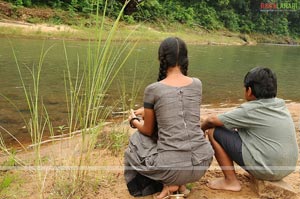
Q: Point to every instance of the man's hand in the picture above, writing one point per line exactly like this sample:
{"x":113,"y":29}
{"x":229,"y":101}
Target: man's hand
{"x":211,"y":122}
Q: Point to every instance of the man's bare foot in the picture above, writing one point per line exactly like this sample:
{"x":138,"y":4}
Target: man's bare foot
{"x":249,"y":176}
{"x":224,"y":184}
{"x":167,"y":190}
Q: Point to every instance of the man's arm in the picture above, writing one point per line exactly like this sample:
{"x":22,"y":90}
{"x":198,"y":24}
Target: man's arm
{"x":211,"y":122}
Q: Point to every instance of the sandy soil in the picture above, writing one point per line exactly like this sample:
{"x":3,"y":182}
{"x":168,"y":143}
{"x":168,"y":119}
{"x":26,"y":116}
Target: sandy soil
{"x":28,"y":27}
{"x":105,"y":174}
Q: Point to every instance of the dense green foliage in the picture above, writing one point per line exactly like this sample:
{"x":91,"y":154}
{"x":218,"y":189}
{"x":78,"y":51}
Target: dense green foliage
{"x":245,"y":16}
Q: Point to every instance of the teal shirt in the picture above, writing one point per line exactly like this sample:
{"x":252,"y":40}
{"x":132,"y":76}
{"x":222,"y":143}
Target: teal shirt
{"x":269,"y":145}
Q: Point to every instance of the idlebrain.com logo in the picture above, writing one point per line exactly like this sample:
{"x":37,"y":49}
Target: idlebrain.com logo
{"x":278,"y":6}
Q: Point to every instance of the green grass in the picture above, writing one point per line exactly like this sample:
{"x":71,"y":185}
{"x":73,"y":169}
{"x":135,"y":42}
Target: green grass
{"x":142,"y":32}
{"x":6,"y":181}
{"x":11,"y":185}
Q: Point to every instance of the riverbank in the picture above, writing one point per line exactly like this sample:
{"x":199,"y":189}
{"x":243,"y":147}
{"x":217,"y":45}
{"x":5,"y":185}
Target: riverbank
{"x":45,"y":23}
{"x":104,"y":173}
{"x":141,"y":32}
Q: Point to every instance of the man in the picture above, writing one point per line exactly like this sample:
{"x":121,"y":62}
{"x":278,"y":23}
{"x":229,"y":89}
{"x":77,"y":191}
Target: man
{"x":259,"y":135}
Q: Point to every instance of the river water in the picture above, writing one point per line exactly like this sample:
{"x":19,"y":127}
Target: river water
{"x":221,"y":69}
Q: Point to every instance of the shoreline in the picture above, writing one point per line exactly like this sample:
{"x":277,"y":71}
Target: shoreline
{"x":25,"y":30}
{"x":60,"y":158}
{"x":206,"y":110}
{"x":20,"y":29}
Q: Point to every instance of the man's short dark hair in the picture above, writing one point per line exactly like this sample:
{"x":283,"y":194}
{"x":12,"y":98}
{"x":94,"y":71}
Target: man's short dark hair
{"x":262,"y":81}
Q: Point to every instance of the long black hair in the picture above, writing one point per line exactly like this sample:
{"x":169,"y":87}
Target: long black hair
{"x":172,"y":52}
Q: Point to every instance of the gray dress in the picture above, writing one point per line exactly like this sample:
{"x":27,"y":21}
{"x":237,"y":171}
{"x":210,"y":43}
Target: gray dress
{"x":181,"y":154}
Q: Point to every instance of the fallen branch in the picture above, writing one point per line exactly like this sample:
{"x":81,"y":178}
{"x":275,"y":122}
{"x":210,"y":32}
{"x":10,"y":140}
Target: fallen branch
{"x":67,"y":136}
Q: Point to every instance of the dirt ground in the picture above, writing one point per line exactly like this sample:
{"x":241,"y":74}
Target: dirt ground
{"x":105,"y":172}
{"x":36,"y":27}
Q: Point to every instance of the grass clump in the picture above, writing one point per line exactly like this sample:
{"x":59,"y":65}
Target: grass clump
{"x":6,"y":181}
{"x":115,"y":140}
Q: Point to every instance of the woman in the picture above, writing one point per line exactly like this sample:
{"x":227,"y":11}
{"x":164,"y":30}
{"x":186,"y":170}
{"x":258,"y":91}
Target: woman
{"x":169,"y":147}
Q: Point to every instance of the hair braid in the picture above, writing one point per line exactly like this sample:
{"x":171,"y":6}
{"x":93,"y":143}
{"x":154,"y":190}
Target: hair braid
{"x":162,"y":70}
{"x":183,"y":60}
{"x":184,"y":69}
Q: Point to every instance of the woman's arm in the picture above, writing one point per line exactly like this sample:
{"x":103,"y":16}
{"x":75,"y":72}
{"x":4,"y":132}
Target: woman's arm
{"x":146,"y":127}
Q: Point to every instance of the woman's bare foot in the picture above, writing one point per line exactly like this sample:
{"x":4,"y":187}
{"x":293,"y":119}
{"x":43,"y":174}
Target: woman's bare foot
{"x":224,"y":184}
{"x":166,"y":191}
{"x":183,"y":190}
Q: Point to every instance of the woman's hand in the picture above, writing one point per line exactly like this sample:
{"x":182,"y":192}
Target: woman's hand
{"x":147,"y":126}
{"x":140,"y":112}
{"x":132,"y":114}
{"x":133,"y":119}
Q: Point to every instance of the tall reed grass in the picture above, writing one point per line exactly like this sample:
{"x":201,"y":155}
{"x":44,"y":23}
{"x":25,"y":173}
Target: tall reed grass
{"x":86,"y":95}
{"x":86,"y":92}
{"x":38,"y":120}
